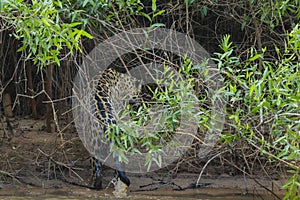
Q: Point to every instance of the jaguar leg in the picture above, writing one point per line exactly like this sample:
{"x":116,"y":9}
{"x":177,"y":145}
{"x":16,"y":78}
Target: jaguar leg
{"x":122,"y":176}
{"x":119,"y":172}
{"x":98,"y":173}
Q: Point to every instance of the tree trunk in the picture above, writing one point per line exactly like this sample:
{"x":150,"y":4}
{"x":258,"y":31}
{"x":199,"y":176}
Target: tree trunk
{"x":7,"y":105}
{"x":31,"y":92}
{"x":49,"y":111}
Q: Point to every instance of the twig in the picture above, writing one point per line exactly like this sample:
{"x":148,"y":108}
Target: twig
{"x":59,"y":163}
{"x":10,"y":175}
{"x":7,"y":174}
{"x":200,"y":175}
{"x":245,"y":181}
{"x":275,"y":157}
{"x":256,"y":181}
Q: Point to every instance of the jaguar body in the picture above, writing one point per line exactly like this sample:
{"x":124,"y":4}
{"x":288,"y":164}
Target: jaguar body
{"x":113,"y":90}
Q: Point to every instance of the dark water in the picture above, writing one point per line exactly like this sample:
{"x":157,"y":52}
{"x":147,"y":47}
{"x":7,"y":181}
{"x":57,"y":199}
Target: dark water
{"x":76,"y":193}
{"x":137,"y":197}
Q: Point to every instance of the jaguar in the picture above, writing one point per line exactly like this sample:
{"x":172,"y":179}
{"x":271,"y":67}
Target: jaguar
{"x":113,"y":89}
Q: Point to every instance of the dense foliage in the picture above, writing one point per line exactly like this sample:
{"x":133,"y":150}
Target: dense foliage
{"x":264,"y":105}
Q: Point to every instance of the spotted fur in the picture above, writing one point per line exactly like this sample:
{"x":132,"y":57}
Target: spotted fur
{"x":113,"y":90}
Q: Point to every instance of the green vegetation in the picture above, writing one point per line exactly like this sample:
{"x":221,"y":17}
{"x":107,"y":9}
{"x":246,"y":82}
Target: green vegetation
{"x":171,"y":103}
{"x":264,"y":105}
{"x":46,"y":27}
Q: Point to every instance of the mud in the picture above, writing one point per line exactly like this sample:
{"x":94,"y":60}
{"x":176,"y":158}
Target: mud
{"x":146,"y":187}
{"x":35,"y":164}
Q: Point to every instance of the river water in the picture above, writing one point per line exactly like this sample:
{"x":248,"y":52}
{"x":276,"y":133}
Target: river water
{"x":82,"y":194}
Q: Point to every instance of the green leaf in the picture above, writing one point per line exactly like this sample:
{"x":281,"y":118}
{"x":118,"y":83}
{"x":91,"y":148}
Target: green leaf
{"x":58,"y":3}
{"x":84,"y":3}
{"x":45,"y":21}
{"x":257,"y":56}
{"x":86,"y":34}
{"x":252,"y":89}
{"x":22,"y":48}
{"x":56,"y":60}
{"x":157,"y":25}
{"x":158,"y":13}
{"x":153,"y":5}
{"x":147,"y":16}
{"x":73,"y":24}
{"x":203,"y":11}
